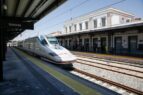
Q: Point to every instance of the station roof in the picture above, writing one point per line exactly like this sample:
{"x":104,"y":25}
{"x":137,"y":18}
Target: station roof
{"x":18,"y":15}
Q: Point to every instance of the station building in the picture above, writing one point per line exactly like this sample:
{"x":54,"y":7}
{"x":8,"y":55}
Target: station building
{"x":104,"y":31}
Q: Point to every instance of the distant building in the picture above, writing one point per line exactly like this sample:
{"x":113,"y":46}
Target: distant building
{"x":57,"y":33}
{"x":98,"y":19}
{"x":12,"y":43}
{"x":137,"y":19}
{"x":9,"y":44}
{"x":104,"y":31}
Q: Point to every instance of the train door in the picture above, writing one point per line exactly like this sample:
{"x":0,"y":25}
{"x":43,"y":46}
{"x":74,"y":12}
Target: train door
{"x":132,"y":44}
{"x":103,"y":45}
{"x":86,"y":44}
{"x":118,"y":45}
{"x":95,"y":44}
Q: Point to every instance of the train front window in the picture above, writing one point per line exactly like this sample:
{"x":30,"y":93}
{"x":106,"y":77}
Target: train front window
{"x":43,"y":41}
{"x":52,"y":40}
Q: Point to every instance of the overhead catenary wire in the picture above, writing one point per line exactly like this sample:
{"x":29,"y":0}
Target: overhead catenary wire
{"x":66,"y":11}
{"x":84,"y":14}
{"x":69,"y":10}
{"x":78,"y":5}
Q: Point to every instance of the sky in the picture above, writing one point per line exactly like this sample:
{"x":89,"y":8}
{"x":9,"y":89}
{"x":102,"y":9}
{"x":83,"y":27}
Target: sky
{"x":54,"y":21}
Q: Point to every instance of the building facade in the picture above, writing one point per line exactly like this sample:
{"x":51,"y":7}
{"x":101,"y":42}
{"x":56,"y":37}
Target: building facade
{"x":96,"y":20}
{"x":104,"y":31}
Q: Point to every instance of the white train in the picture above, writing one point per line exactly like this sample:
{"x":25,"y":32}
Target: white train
{"x":47,"y":47}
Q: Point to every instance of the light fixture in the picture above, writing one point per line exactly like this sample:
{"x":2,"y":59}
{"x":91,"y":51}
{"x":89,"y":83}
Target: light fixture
{"x":4,"y":7}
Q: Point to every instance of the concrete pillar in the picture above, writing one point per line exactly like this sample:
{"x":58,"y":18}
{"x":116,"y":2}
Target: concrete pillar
{"x":90,"y":43}
{"x":4,"y":49}
{"x":1,"y":55}
{"x":110,"y":43}
{"x":108,"y":19}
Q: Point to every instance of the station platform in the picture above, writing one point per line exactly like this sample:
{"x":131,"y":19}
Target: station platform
{"x":24,"y":75}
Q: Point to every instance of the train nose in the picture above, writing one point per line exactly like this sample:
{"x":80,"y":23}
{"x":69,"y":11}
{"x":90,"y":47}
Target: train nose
{"x":58,"y":59}
{"x":68,"y":58}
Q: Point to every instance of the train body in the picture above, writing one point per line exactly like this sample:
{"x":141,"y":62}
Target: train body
{"x":47,"y":47}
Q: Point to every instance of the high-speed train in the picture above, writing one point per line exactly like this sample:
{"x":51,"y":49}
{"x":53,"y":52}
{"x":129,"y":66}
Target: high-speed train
{"x":47,"y":47}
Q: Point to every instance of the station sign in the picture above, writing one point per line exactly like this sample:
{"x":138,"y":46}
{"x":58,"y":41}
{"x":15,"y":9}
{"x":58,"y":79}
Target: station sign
{"x":21,"y":25}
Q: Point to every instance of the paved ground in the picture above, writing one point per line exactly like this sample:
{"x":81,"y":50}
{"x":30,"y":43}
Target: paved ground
{"x":18,"y":80}
{"x":22,"y":77}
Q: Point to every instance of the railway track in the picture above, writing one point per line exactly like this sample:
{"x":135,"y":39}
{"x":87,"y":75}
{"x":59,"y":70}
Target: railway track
{"x":106,"y":83}
{"x":125,"y":61}
{"x":118,"y":85}
{"x":122,"y":70}
{"x":88,"y":66}
{"x":111,"y":61}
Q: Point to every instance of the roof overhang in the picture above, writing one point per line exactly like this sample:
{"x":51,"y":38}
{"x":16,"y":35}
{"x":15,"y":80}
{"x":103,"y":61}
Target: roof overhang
{"x":18,"y":15}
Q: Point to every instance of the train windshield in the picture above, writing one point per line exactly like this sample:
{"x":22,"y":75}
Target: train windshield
{"x":52,"y":40}
{"x":43,"y":41}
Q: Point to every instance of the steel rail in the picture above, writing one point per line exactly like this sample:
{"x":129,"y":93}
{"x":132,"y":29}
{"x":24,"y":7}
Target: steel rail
{"x":112,"y":65}
{"x":111,"y":70}
{"x":130,"y":89}
{"x":111,"y":59}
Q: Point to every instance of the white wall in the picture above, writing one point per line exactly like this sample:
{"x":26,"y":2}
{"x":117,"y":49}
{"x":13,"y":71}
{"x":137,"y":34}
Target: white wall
{"x":115,"y":19}
{"x":83,"y":20}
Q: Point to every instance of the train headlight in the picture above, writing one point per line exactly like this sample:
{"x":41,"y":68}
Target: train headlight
{"x":52,"y":54}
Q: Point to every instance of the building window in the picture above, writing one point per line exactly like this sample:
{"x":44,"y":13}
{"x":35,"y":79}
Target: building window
{"x":70,"y":28}
{"x":103,"y":20}
{"x":128,"y":20}
{"x":95,"y":23}
{"x":75,"y":27}
{"x":80,"y":26}
{"x":86,"y":25}
{"x":123,"y":20}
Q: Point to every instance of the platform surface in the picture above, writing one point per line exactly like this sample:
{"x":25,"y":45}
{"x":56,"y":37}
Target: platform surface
{"x":18,"y":80}
{"x":22,"y":77}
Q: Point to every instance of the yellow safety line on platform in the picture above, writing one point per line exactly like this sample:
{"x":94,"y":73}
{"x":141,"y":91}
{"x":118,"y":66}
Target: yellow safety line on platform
{"x":75,"y":85}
